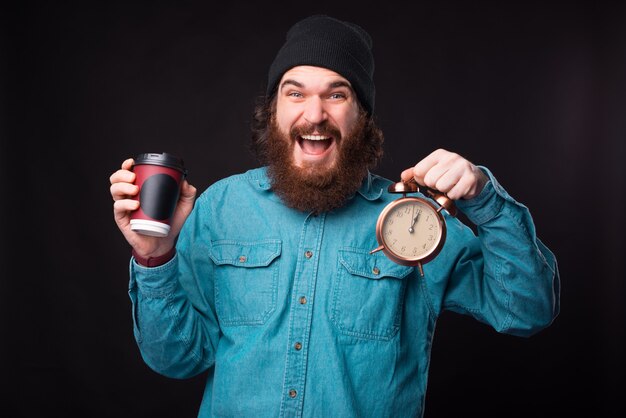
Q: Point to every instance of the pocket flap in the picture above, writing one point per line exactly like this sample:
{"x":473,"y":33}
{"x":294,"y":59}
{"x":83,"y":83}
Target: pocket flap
{"x":245,"y":254}
{"x":373,"y":266}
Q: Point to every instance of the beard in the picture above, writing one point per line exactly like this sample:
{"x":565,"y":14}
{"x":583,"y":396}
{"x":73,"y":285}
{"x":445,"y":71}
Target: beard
{"x":315,"y":187}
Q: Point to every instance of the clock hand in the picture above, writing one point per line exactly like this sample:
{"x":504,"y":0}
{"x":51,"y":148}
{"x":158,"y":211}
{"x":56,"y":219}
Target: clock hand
{"x":414,"y":220}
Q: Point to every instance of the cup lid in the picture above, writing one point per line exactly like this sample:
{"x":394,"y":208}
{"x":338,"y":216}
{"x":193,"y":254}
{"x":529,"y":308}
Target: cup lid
{"x":163,"y":159}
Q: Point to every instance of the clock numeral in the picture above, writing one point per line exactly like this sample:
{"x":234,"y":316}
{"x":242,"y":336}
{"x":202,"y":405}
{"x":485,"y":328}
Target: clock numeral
{"x":403,"y":249}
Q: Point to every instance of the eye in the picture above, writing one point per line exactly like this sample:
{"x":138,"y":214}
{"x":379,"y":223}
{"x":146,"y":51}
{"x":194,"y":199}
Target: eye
{"x":337,"y":96}
{"x":294,"y":94}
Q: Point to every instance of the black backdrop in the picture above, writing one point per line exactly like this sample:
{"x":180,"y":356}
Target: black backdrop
{"x":534,"y":91}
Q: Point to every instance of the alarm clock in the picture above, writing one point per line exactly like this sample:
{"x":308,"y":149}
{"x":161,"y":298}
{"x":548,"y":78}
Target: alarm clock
{"x":411,"y":230}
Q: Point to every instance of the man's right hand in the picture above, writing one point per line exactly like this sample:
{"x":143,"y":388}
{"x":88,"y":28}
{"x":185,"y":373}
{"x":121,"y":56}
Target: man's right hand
{"x":123,"y":190}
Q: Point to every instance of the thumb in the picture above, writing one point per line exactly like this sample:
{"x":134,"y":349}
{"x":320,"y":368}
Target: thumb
{"x":407,"y":175}
{"x":185,"y":204}
{"x":187,"y":192}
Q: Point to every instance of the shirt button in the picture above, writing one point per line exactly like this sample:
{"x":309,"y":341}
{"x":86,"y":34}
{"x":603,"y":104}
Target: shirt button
{"x":308,"y":254}
{"x":242,"y":259}
{"x":298,"y":346}
{"x":302,"y":300}
{"x":376,"y":271}
{"x":293,"y":393}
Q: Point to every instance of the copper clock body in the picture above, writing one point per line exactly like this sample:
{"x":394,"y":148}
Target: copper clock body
{"x":411,"y":231}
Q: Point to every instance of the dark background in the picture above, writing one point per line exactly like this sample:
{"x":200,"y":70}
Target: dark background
{"x":534,"y":91}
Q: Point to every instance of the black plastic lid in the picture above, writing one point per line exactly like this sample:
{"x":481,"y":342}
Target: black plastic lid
{"x":163,"y":159}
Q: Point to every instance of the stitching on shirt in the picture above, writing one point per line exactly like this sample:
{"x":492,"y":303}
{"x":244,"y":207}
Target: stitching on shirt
{"x":508,"y":320}
{"x":267,"y":266}
{"x":186,"y":340}
{"x":249,"y":320}
{"x":254,"y":174}
{"x":134,"y":297}
{"x":160,"y":293}
{"x":391,"y":269}
{"x":275,"y":243}
{"x":151,"y":292}
{"x":506,"y":323}
{"x":424,"y":286}
{"x":312,"y":288}
{"x":383,"y":335}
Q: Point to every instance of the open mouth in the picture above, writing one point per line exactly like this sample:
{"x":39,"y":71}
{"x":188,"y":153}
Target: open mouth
{"x":315,"y":144}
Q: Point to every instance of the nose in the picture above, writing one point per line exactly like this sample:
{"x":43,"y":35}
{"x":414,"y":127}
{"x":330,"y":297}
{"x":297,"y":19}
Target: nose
{"x":314,"y":112}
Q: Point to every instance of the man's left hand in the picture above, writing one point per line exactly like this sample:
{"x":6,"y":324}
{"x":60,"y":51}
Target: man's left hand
{"x":449,"y":173}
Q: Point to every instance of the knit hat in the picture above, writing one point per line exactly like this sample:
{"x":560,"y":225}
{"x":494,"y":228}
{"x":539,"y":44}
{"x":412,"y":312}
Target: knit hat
{"x":323,"y":41}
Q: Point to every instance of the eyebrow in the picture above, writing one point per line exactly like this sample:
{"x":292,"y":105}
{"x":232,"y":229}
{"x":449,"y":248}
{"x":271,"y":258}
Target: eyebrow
{"x":292,"y":82}
{"x":333,"y":85}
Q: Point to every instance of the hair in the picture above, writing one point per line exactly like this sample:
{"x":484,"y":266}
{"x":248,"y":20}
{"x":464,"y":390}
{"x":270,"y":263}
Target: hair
{"x":264,"y":109}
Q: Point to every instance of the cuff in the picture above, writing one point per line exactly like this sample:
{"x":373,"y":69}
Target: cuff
{"x":154,"y":261}
{"x":489,"y":202}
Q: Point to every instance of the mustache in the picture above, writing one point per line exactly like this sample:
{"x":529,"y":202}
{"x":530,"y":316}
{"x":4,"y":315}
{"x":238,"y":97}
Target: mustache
{"x":324,"y":128}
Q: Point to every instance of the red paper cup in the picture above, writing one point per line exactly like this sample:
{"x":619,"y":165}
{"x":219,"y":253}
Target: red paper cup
{"x":159,"y":177}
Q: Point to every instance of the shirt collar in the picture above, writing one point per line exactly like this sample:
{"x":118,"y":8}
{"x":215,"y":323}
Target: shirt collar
{"x":367,"y":189}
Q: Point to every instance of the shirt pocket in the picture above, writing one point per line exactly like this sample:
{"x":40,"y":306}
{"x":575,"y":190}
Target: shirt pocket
{"x":368,"y":294}
{"x":246,"y":280}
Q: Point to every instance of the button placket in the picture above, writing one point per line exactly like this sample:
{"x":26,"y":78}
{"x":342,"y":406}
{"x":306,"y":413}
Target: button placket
{"x":300,"y":316}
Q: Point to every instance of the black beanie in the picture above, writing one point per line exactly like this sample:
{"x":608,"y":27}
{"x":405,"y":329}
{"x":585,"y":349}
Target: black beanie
{"x":323,"y":41}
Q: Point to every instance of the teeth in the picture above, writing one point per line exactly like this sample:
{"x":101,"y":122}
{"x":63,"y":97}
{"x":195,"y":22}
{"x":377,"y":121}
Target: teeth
{"x":315,"y":137}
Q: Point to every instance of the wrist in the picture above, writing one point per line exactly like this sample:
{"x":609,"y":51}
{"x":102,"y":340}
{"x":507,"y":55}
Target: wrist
{"x":154,"y":261}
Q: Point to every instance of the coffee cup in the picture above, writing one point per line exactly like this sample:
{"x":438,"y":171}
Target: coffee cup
{"x":159,"y":176}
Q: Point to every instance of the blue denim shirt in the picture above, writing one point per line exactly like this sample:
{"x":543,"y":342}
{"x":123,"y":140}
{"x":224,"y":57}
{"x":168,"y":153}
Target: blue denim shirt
{"x":292,"y":316}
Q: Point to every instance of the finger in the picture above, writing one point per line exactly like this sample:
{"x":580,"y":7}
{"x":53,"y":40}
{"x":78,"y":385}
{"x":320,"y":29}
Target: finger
{"x":440,"y":175}
{"x":424,"y":167}
{"x":122,"y":208}
{"x":418,"y":172}
{"x":128,"y":164}
{"x":122,"y":175}
{"x":463,"y":180}
{"x":187,"y":191}
{"x":407,"y":175}
{"x":123,"y":190}
{"x":461,"y":188}
{"x":449,"y":178}
{"x":184,"y":207}
{"x":470,"y":185}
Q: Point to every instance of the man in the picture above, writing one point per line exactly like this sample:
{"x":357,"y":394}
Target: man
{"x":267,"y":281}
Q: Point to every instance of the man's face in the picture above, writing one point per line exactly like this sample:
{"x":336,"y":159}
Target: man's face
{"x":315,"y":109}
{"x":318,"y":143}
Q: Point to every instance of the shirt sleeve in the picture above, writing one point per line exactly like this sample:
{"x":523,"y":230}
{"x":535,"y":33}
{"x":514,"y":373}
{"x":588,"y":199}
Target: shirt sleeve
{"x":175,"y":324}
{"x":503,"y":275}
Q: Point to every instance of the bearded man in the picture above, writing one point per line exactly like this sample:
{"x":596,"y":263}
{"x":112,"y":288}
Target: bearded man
{"x":266,"y":281}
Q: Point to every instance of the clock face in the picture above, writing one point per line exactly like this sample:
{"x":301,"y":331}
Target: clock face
{"x":411,"y":229}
